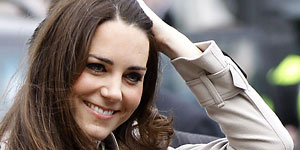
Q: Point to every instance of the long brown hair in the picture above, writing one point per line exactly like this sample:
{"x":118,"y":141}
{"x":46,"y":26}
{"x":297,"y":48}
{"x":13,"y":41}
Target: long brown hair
{"x":41,"y":118}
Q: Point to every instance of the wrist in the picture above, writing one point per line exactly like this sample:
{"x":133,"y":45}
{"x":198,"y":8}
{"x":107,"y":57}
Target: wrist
{"x":174,"y":44}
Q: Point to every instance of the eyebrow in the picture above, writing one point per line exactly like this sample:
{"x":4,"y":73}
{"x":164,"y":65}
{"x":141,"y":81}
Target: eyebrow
{"x":134,"y":68}
{"x":102,"y":59}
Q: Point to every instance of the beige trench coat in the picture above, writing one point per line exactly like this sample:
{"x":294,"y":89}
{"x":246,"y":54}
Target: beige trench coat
{"x":220,"y":87}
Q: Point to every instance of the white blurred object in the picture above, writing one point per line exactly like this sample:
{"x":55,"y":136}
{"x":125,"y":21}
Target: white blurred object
{"x":9,"y":9}
{"x":17,"y":26}
{"x":244,"y":52}
{"x":160,"y":7}
{"x":25,"y":8}
{"x":37,"y":8}
{"x":199,"y":15}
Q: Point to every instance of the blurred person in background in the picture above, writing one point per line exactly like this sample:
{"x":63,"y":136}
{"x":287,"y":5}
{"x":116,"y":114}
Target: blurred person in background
{"x":285,"y":79}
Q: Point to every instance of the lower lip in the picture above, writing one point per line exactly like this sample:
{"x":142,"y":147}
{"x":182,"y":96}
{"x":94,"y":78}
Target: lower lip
{"x":100,"y":116}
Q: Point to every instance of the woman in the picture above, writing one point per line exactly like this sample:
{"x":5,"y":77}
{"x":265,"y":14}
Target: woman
{"x":92,"y":77}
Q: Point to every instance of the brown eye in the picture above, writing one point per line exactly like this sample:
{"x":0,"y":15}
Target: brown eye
{"x":96,"y":67}
{"x":133,"y":77}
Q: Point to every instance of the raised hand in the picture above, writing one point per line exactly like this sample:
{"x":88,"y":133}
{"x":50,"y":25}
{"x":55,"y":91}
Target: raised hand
{"x":172,"y":43}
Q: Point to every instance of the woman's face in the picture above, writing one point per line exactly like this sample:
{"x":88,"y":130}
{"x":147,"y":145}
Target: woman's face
{"x":110,"y":88}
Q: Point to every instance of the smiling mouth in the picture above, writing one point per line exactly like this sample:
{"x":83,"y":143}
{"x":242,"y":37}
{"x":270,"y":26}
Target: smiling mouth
{"x":100,"y":110}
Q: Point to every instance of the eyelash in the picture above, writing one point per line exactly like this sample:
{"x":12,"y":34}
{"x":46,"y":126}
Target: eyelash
{"x":98,"y":68}
{"x":133,"y":77}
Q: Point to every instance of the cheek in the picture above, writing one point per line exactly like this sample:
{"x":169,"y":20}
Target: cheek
{"x":83,"y":84}
{"x":133,"y":98}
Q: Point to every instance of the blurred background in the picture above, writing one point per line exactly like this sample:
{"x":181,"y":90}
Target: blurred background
{"x":262,"y":36}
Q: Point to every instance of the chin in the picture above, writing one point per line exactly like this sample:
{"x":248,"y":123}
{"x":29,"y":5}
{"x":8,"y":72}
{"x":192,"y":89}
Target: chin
{"x":98,"y":135}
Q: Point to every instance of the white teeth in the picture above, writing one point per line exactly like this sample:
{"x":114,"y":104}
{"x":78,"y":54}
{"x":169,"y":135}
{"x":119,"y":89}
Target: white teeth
{"x":99,"y":110}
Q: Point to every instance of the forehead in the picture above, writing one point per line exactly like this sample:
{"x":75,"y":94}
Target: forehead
{"x":120,"y":41}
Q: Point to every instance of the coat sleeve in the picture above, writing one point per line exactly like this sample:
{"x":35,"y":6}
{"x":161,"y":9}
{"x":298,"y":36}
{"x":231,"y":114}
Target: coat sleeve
{"x":220,"y":87}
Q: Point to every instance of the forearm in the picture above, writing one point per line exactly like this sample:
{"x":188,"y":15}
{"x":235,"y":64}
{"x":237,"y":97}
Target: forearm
{"x":176,"y":44}
{"x":244,"y":117}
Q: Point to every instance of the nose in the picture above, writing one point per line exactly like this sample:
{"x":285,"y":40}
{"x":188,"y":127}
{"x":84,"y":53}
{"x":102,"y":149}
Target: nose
{"x":112,"y":90}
